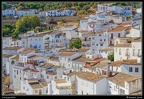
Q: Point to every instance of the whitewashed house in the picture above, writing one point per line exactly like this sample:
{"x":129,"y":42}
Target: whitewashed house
{"x":134,"y":32}
{"x":136,"y":21}
{"x":25,"y":66}
{"x":83,"y":24}
{"x":38,"y":41}
{"x":70,"y":31}
{"x":118,"y":19}
{"x":6,"y":41}
{"x":59,"y":87}
{"x":57,"y":38}
{"x":99,"y":41}
{"x":104,"y":8}
{"x":88,"y":83}
{"x":34,"y":87}
{"x":132,"y":67}
{"x":65,"y":58}
{"x":129,"y":50}
{"x":9,"y":12}
{"x":6,"y":62}
{"x":139,"y":10}
{"x":16,"y":43}
{"x":78,"y":63}
{"x":54,"y":60}
{"x":42,"y":14}
{"x":12,"y":50}
{"x":27,"y":34}
{"x":21,"y":13}
{"x":115,"y":32}
{"x":121,"y":84}
{"x":105,"y":52}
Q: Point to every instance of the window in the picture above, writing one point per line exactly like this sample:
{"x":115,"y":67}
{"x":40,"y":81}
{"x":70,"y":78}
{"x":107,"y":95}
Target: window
{"x":93,"y":38}
{"x":93,"y":43}
{"x":136,"y":69}
{"x":20,"y":78}
{"x":36,"y":91}
{"x":39,"y":39}
{"x":100,"y":39}
{"x":130,"y":69}
{"x":101,"y":44}
{"x":47,"y":77}
{"x":122,"y":91}
{"x":55,"y":77}
{"x":99,"y":34}
{"x":23,"y":87}
{"x":97,"y":44}
{"x":104,"y":39}
{"x":14,"y":76}
{"x":119,"y":51}
{"x":17,"y":71}
{"x":138,"y":51}
{"x":133,"y":52}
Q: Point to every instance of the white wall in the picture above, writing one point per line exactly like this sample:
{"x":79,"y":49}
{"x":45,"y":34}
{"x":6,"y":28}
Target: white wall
{"x":101,"y":87}
{"x":125,"y":69}
{"x":86,"y":86}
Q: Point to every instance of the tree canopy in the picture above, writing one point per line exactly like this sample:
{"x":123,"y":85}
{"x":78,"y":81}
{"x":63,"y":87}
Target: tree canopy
{"x":77,"y":43}
{"x":25,"y":24}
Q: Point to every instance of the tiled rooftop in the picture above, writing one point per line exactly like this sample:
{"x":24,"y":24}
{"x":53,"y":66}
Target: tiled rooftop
{"x":16,"y":58}
{"x":90,"y":76}
{"x":60,"y":81}
{"x":107,"y":49}
{"x":120,"y":78}
{"x":134,"y":78}
{"x":30,"y":70}
{"x":11,"y":48}
{"x":35,"y":85}
{"x":123,"y":45}
{"x":46,"y":65}
{"x":82,"y":59}
{"x":128,"y":62}
{"x":67,"y":53}
{"x":99,"y":65}
{"x":72,"y":73}
{"x":7,"y":55}
{"x":119,"y":28}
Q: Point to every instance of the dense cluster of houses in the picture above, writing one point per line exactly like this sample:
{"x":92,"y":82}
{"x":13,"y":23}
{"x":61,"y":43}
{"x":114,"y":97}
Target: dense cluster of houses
{"x":42,"y":63}
{"x":42,"y":14}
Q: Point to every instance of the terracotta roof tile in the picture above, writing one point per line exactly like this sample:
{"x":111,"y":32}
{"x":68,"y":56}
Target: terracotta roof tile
{"x":16,"y":58}
{"x":119,"y":78}
{"x":6,"y":55}
{"x":123,"y":45}
{"x":46,"y":65}
{"x":134,"y":78}
{"x":90,"y":76}
{"x":72,"y":73}
{"x":11,"y":48}
{"x":60,"y":81}
{"x":67,"y":53}
{"x":119,"y":28}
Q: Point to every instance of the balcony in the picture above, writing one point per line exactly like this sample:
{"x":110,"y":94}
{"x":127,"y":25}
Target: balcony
{"x":138,"y":55}
{"x":127,"y":54}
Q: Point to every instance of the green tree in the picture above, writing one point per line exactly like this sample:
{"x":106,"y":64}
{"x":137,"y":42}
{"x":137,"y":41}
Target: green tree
{"x":4,"y":6}
{"x":86,"y":7}
{"x":20,"y":8}
{"x":128,"y":18}
{"x":111,"y":57}
{"x":25,"y":24}
{"x":77,"y":43}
